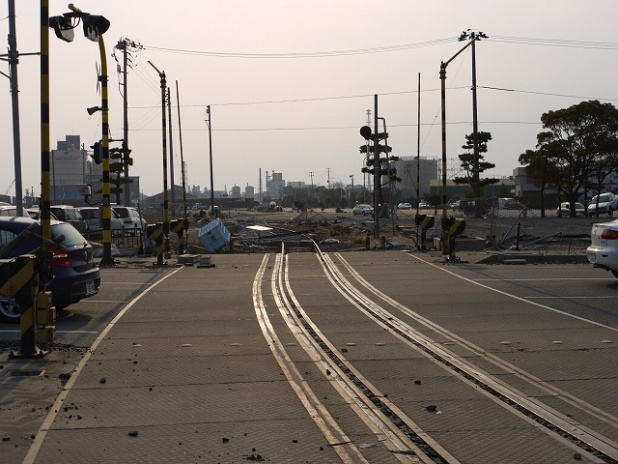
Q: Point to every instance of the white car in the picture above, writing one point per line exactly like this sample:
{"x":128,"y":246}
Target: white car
{"x":565,"y":209}
{"x":603,"y":251}
{"x":131,"y":218}
{"x":92,"y":215}
{"x":608,"y":203}
{"x":404,"y":206}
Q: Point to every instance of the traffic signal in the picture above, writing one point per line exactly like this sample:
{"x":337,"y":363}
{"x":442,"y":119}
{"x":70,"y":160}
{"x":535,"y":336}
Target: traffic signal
{"x":97,"y":152}
{"x":365,"y":132}
{"x":127,"y":158}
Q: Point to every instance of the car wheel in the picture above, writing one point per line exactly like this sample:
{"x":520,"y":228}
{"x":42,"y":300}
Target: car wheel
{"x":9,"y":311}
{"x":615,"y":273}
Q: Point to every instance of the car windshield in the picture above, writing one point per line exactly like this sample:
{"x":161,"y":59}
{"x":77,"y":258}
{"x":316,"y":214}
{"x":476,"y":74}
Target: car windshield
{"x":90,"y":213}
{"x":123,"y":213}
{"x":602,"y":198}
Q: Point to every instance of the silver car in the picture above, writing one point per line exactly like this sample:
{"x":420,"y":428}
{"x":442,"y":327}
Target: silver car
{"x":364,"y":210}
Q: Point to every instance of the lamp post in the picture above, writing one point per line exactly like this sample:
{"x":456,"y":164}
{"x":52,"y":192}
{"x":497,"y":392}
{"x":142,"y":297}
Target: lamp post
{"x":473,"y":38}
{"x":166,"y":217}
{"x":94,"y":27}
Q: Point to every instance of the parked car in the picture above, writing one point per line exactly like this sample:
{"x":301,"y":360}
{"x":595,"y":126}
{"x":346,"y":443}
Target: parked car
{"x":607,"y":203}
{"x":565,"y":209}
{"x":603,"y":250}
{"x":76,"y":276}
{"x":8,"y":210}
{"x":35,"y":213}
{"x":130,"y":217}
{"x":462,"y":205}
{"x":404,"y":206}
{"x":362,"y":209}
{"x":71,"y":215}
{"x":423,"y":204}
{"x":92,"y":215}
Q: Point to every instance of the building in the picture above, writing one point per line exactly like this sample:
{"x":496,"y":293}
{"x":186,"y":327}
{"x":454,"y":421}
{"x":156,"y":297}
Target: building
{"x":68,"y":168}
{"x":407,"y":169}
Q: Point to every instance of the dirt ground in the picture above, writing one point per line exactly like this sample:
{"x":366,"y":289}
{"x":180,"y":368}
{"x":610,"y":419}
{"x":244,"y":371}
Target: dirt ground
{"x":502,"y":231}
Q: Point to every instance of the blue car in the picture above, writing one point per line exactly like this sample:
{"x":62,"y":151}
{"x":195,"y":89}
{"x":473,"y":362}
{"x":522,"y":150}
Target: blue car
{"x":76,"y":275}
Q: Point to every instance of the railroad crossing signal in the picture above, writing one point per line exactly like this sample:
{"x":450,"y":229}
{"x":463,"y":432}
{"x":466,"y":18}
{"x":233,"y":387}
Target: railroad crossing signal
{"x":97,"y":152}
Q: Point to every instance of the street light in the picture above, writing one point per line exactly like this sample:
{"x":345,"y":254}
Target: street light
{"x":94,"y":27}
{"x":166,"y":218}
{"x":473,"y":36}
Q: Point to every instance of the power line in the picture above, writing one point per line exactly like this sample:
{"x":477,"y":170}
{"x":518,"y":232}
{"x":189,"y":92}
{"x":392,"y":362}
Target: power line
{"x":531,"y":92}
{"x":557,"y":42}
{"x":294,"y":55}
{"x":403,"y":92}
{"x":390,"y":48}
{"x":305,"y":100}
{"x":337,"y":128}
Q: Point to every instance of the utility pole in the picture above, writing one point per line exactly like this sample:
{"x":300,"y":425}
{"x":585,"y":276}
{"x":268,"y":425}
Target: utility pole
{"x":212,"y":177}
{"x":476,"y":183}
{"x":311,"y":197}
{"x":127,"y":46}
{"x":13,"y":60}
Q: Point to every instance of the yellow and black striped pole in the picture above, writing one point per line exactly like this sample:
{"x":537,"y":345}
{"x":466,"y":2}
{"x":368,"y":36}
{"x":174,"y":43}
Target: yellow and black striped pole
{"x":107,"y":259}
{"x":166,"y":217}
{"x":18,"y":287}
{"x":45,"y":270}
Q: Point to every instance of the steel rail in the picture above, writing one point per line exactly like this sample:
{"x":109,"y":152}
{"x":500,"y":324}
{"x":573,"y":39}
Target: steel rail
{"x":586,"y":440}
{"x":368,"y":403}
{"x":324,"y":421}
{"x":590,"y":409}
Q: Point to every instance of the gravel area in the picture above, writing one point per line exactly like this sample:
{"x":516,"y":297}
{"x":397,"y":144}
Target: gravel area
{"x":509,"y":229}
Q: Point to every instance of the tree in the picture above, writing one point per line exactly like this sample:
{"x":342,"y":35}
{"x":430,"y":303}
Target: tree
{"x":541,"y":172}
{"x":467,"y":161}
{"x":580,"y":146}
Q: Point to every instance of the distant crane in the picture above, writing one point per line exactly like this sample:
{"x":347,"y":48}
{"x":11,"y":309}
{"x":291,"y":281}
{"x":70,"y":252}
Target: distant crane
{"x":6,"y":192}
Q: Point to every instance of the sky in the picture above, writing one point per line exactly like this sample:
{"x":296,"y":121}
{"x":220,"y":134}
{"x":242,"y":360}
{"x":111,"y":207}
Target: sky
{"x":289,"y":83}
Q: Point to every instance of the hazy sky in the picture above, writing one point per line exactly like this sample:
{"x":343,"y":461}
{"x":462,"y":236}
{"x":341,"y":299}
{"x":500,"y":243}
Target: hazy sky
{"x":289,"y":82}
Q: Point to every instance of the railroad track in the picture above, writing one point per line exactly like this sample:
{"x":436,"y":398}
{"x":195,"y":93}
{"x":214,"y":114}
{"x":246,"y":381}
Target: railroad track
{"x":405,"y":439}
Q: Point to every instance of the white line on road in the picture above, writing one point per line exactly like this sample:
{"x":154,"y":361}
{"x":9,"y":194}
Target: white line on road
{"x":35,"y":447}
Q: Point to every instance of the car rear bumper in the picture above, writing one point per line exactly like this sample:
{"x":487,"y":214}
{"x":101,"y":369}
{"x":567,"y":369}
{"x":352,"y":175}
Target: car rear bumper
{"x":67,"y":290}
{"x":602,"y":257}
